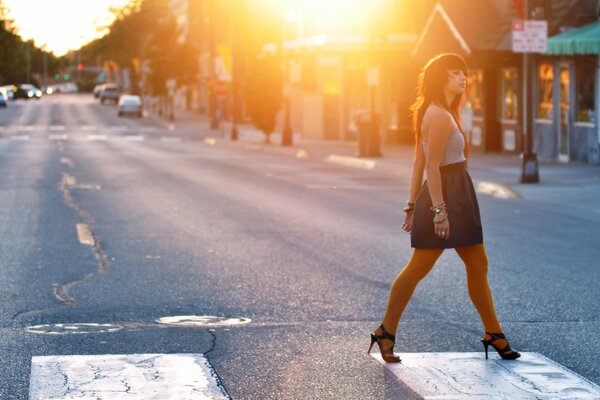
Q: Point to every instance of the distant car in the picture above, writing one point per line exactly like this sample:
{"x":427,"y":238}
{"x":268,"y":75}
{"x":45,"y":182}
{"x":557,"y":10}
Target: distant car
{"x":109,"y":92}
{"x":130,"y":104}
{"x":97,"y":90}
{"x":3,"y":97}
{"x":10,"y":91}
{"x":27,"y":91}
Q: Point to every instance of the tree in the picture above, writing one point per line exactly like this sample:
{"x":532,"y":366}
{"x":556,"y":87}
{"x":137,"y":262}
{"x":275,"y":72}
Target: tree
{"x":263,"y":92}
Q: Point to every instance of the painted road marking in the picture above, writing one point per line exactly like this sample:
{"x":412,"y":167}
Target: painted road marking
{"x":469,"y":376}
{"x":124,"y":376}
{"x":58,"y":137}
{"x":117,"y":127}
{"x":351,"y":161}
{"x":496,"y":190}
{"x":67,"y":161}
{"x":84,"y":234}
{"x":55,"y":128}
{"x":89,"y":127}
{"x":134,"y":138}
{"x":303,"y":154}
{"x":96,"y":137}
{"x":69,"y":180}
{"x":27,"y":128}
{"x":19,"y":137}
{"x":210,"y":141}
{"x":148,"y":129}
{"x":170,"y":139}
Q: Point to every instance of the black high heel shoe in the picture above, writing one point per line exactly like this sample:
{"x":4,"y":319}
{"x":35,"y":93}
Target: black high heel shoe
{"x":387,"y":354}
{"x":512,"y":355}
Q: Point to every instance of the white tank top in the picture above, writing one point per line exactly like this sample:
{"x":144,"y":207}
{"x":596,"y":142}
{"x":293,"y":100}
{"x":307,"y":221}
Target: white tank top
{"x":455,"y":147}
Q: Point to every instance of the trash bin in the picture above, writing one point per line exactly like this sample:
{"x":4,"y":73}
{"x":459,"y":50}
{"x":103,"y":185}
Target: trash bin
{"x":368,"y":124}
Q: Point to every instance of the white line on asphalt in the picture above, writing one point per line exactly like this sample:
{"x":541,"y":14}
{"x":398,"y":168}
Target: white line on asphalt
{"x":27,"y":128}
{"x":124,"y":376}
{"x":89,"y":127}
{"x":469,"y":376}
{"x":69,"y":180}
{"x":58,"y":137}
{"x":170,"y":139}
{"x":496,"y":190}
{"x":67,"y":161}
{"x":19,"y":137}
{"x":117,"y":127}
{"x":351,"y":161}
{"x":96,"y":137}
{"x":55,"y":128}
{"x":84,"y":234}
{"x":148,"y":129}
{"x":134,"y":138}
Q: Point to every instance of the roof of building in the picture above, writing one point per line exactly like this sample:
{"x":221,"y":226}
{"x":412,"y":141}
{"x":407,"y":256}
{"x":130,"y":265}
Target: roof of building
{"x":487,"y":24}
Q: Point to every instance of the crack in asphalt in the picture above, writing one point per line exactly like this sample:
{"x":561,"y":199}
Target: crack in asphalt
{"x":61,"y":290}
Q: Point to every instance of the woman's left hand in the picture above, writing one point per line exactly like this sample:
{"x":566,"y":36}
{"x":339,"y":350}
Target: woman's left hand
{"x":408,"y":221}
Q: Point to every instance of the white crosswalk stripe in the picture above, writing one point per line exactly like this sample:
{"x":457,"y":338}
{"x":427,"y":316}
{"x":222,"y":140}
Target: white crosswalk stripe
{"x":55,"y":128}
{"x":19,"y":137}
{"x":124,"y":376}
{"x":58,"y":137}
{"x":89,"y":128}
{"x":96,"y":137}
{"x":469,"y":376}
{"x":134,"y":138}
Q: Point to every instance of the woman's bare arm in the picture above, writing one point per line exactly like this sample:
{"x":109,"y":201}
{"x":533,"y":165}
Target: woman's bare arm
{"x":439,"y":123}
{"x":416,"y":178}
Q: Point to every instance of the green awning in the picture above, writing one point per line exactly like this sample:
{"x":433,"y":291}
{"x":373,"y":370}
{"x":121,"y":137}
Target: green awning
{"x":584,"y":40}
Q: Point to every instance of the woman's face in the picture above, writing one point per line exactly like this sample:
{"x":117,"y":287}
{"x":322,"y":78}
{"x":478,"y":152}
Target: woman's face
{"x":457,"y":81}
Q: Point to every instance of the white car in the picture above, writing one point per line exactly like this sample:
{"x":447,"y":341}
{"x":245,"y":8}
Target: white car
{"x":130,"y":104}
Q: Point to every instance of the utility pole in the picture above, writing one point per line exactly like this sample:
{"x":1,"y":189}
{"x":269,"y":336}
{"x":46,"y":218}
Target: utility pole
{"x":235,"y":57}
{"x":529,"y":161}
{"x":287,"y":136}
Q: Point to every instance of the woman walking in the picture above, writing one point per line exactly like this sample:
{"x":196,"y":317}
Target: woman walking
{"x":443,"y":213}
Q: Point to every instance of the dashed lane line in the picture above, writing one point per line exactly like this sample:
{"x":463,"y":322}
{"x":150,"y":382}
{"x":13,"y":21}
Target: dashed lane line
{"x":469,"y":376}
{"x":58,"y":137}
{"x":125,"y":377}
{"x":351,"y":161}
{"x":84,"y":234}
{"x":19,"y":137}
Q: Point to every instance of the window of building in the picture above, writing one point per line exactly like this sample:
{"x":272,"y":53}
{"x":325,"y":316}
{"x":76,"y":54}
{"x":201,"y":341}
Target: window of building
{"x":585,"y":81}
{"x":475,"y":92}
{"x":510,"y":90}
{"x":545,"y":82}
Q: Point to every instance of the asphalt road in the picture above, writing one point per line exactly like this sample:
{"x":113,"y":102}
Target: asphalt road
{"x":306,"y":250}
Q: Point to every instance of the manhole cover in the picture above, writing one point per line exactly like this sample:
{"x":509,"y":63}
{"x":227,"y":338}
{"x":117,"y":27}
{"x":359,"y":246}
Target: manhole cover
{"x":73,"y":329}
{"x":202,"y":320}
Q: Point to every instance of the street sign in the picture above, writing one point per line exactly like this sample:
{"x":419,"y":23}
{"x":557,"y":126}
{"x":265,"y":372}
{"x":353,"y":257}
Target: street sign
{"x":529,"y":36}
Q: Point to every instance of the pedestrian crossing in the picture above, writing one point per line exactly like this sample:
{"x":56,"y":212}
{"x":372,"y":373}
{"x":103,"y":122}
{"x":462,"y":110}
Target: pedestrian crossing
{"x":90,"y":137}
{"x":124,"y":376}
{"x":464,"y":376}
{"x":79,"y":128}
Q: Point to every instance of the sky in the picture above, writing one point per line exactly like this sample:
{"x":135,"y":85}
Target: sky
{"x":61,"y":25}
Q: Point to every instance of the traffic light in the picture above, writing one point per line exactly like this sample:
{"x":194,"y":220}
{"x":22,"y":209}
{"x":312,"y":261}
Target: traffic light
{"x":67,"y":76}
{"x":79,"y":67}
{"x":56,"y":76}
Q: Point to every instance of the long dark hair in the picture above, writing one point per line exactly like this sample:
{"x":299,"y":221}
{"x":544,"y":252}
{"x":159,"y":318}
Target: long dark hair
{"x":430,"y":89}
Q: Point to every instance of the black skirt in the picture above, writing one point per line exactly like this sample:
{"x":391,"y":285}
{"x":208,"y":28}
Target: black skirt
{"x":463,"y":212}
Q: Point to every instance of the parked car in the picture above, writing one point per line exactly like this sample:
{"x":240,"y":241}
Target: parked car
{"x":10,"y":91}
{"x":109,"y":92}
{"x":27,"y":91}
{"x":3,"y":97}
{"x":97,"y":90}
{"x":130,"y":104}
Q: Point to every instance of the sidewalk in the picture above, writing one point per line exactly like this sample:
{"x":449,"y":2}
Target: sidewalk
{"x":494,"y":174}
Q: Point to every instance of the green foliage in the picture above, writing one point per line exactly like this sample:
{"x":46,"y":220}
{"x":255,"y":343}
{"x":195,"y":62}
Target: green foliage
{"x":263,"y":92}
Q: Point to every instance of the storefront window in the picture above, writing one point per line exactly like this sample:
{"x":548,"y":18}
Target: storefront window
{"x":585,"y":73}
{"x":510,"y":89}
{"x":545,"y":82}
{"x":475,"y":92}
